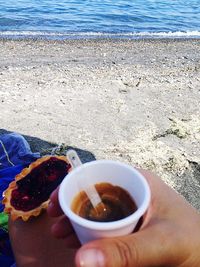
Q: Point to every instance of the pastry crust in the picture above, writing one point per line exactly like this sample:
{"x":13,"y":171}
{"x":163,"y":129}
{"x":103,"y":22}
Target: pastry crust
{"x":25,"y":215}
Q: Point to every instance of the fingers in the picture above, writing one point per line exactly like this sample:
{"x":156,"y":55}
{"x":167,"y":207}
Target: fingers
{"x":144,"y":249}
{"x":62,"y":228}
{"x":54,"y":209}
{"x":72,"y":242}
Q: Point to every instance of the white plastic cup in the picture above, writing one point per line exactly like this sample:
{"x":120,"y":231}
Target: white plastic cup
{"x":99,"y":171}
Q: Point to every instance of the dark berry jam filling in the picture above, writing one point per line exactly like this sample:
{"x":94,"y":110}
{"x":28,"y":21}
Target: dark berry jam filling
{"x":36,"y":187}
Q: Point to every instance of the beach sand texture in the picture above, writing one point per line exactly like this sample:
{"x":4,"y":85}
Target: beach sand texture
{"x":133,"y":101}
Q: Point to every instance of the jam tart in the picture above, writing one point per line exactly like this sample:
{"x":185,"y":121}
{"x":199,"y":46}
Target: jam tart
{"x":29,"y":193}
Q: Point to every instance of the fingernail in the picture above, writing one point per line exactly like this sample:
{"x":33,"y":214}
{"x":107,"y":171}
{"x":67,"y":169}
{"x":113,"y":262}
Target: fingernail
{"x":91,"y":258}
{"x":50,"y":208}
{"x":50,"y":205}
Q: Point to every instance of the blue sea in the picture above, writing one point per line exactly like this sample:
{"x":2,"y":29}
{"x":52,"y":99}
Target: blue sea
{"x":66,"y":19}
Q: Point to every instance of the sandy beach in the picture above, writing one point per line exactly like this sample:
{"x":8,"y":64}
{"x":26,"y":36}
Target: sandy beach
{"x":135,"y":101}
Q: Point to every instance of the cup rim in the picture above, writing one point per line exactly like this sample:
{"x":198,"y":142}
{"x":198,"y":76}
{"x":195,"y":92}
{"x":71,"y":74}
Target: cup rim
{"x":104,"y":225}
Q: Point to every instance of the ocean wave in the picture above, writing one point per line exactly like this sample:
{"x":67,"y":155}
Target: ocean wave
{"x":66,"y":35}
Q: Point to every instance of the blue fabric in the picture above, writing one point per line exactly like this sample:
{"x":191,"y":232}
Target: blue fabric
{"x":18,"y":150}
{"x":6,"y":255}
{"x":15,"y":154}
{"x":6,"y":176}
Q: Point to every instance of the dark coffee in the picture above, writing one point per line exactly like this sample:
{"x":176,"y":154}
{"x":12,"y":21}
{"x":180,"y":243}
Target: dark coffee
{"x":116,"y":204}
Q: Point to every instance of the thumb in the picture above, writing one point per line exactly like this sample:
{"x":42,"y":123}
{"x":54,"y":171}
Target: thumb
{"x":145,"y":248}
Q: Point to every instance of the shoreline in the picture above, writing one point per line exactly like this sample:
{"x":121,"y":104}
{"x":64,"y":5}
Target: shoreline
{"x":136,"y":101}
{"x":98,"y":35}
{"x":97,"y":38}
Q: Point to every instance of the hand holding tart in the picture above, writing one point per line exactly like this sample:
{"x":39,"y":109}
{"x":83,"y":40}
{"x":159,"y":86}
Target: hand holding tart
{"x":29,"y":193}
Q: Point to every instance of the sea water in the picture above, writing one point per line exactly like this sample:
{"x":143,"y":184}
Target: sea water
{"x":99,"y":18}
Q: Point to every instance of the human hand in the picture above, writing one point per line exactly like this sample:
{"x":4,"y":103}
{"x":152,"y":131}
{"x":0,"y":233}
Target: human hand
{"x":62,"y":228}
{"x":34,"y":246}
{"x":169,"y":234}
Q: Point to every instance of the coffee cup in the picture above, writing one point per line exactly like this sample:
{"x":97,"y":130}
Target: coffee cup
{"x":97,"y":172}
